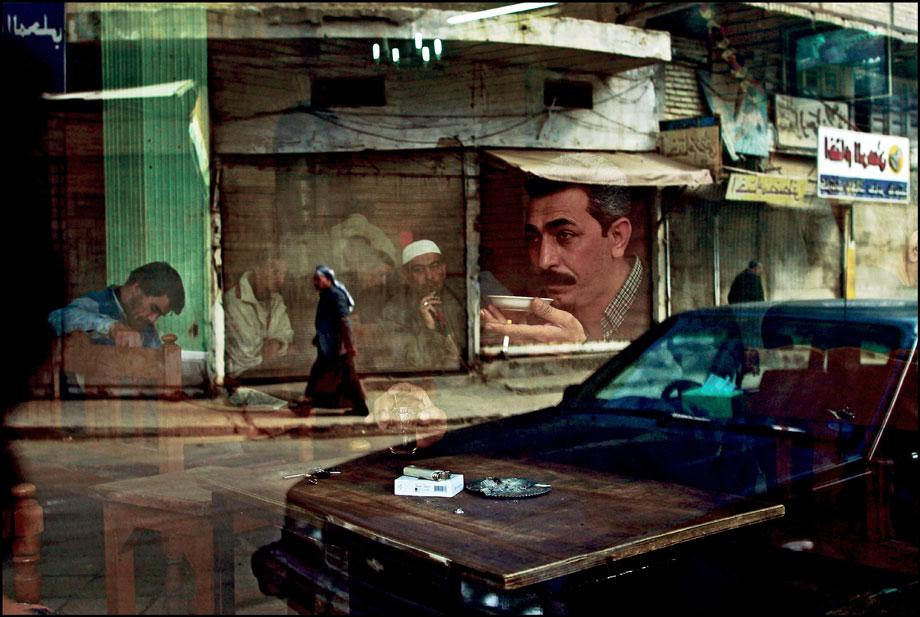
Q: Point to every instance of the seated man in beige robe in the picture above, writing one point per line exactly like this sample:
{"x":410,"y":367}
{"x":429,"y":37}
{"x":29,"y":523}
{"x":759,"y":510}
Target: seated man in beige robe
{"x":259,"y":330}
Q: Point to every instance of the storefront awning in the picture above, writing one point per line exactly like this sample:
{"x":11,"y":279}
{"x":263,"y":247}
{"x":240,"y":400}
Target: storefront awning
{"x":616,"y":168}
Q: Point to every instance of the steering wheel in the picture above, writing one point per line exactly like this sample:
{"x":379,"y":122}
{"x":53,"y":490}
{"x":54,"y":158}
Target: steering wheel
{"x":678,"y":386}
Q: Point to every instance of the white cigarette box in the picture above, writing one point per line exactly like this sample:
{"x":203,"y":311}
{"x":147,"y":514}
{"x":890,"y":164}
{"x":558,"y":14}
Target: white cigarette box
{"x":406,"y":485}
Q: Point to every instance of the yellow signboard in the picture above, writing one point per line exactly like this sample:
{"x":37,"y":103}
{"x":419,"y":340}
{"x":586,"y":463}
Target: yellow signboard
{"x":778,"y":190}
{"x":851,"y":271}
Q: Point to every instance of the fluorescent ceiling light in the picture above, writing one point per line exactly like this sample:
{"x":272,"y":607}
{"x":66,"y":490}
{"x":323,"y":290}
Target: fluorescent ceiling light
{"x":502,"y":10}
{"x":173,"y":88}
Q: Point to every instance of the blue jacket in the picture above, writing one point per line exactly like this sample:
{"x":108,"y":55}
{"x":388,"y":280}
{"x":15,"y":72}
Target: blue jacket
{"x":333,"y":328}
{"x":94,"y":314}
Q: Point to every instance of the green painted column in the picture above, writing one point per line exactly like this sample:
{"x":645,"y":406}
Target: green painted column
{"x":156,"y":135}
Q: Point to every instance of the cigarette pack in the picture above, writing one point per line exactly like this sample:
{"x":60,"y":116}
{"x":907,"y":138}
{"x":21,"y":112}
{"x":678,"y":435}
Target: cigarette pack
{"x":406,"y":485}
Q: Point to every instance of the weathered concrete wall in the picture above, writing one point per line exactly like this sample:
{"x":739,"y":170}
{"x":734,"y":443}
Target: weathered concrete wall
{"x":886,"y":250}
{"x":479,"y":105}
{"x":691,"y":251}
{"x":486,"y":89}
{"x":365,"y":20}
{"x":895,"y":18}
{"x":799,"y":248}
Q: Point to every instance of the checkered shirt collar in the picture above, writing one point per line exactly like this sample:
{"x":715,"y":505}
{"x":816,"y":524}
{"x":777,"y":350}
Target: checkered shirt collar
{"x":616,"y":311}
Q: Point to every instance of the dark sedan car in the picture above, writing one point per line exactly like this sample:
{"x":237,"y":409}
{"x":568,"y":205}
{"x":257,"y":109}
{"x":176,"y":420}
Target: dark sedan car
{"x":758,"y":458}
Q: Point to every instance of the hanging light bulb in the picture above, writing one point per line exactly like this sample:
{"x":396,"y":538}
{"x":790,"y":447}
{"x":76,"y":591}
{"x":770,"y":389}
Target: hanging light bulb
{"x":418,"y":40}
{"x":426,"y":55}
{"x":376,"y":51}
{"x":437,"y":48}
{"x":396,"y":54}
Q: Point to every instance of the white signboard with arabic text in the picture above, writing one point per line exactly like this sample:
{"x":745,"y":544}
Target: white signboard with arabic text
{"x":856,"y":166}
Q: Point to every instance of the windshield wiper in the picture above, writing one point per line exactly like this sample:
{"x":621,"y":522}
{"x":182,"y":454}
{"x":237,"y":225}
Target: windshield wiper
{"x":769,"y":427}
{"x":784,"y":428}
{"x":640,"y":407}
{"x":683,"y":417}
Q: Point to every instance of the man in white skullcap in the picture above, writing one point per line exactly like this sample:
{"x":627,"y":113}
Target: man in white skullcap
{"x":427,"y":318}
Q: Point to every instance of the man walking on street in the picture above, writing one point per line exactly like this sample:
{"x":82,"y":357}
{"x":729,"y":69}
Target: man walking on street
{"x":747,"y":286}
{"x":333,"y":380}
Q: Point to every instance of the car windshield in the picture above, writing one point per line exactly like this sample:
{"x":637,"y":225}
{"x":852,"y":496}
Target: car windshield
{"x":738,"y":402}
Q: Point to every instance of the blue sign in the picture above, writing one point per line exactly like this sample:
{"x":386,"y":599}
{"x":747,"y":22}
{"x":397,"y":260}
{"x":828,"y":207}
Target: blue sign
{"x":687,"y":123}
{"x":39,"y":27}
{"x":863,"y":189}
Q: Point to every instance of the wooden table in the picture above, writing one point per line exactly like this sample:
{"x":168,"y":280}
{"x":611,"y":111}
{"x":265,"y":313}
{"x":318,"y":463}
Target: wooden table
{"x":174,"y":505}
{"x":194,"y":525}
{"x":587,"y":520}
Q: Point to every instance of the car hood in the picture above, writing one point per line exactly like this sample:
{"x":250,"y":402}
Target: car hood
{"x":587,"y":519}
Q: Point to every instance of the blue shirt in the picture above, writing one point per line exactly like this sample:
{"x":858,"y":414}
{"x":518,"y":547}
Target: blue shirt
{"x":94,"y":314}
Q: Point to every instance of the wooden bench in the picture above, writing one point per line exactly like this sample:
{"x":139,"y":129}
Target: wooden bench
{"x":106,"y":370}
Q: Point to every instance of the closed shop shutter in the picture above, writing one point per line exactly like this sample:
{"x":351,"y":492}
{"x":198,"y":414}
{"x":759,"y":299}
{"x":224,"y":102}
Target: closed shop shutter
{"x":501,"y":228}
{"x":352,"y":212}
{"x":691,"y":251}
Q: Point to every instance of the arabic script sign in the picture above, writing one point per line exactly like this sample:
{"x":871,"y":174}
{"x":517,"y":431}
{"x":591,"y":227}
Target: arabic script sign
{"x":699,"y":147}
{"x":39,"y":27}
{"x":797,"y":120}
{"x":863,"y":166}
{"x":779,"y":190}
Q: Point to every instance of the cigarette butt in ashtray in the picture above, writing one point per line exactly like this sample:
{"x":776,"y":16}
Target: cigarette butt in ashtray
{"x":507,"y":338}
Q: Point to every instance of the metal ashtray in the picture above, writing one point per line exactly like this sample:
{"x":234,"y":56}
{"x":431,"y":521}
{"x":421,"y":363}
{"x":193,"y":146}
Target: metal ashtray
{"x":507,"y":488}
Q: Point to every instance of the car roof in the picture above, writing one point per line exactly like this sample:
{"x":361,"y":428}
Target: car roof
{"x":899,"y":313}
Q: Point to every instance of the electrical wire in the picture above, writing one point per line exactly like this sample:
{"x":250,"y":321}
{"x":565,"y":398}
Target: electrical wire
{"x":339,"y":124}
{"x":621,"y":124}
{"x":371,"y":122}
{"x":353,"y":115}
{"x":428,"y":142}
{"x":619,"y":95}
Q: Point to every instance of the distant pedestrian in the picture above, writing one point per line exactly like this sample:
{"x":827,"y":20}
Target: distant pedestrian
{"x":747,"y":286}
{"x":333,"y":380}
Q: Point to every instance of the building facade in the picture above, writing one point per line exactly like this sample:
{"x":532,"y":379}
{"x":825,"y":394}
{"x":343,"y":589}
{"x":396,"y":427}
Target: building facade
{"x":339,"y":133}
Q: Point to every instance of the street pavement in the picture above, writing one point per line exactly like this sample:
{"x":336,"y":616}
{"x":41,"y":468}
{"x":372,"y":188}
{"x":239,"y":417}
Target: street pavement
{"x":69,"y":449}
{"x":461,"y":399}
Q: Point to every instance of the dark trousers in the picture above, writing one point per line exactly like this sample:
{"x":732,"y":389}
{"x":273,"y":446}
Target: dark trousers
{"x":334,"y":383}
